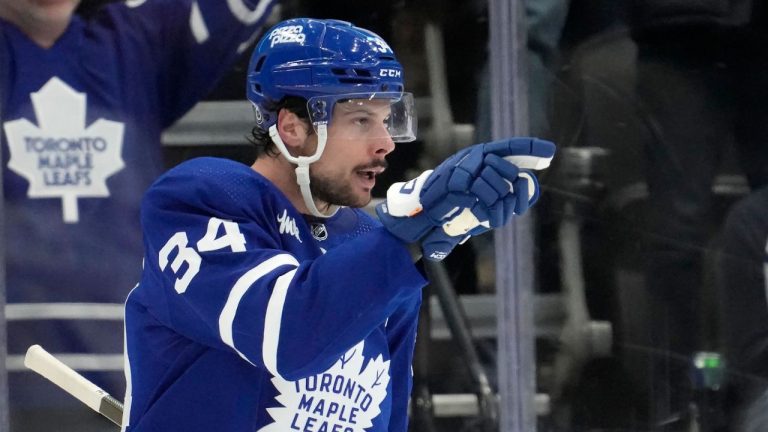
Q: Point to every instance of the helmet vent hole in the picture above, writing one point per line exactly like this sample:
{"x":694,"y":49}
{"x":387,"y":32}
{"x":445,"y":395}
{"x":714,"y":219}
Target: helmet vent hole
{"x":355,"y":80}
{"x":390,"y":58}
{"x":257,"y":88}
{"x":339,"y":71}
{"x":259,"y":64}
{"x":362,"y":72}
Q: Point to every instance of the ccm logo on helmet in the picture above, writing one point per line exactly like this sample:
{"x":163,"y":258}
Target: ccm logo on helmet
{"x":393,"y":73}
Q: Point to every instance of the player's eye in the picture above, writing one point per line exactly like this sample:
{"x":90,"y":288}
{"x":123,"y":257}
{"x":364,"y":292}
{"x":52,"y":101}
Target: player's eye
{"x":362,"y":122}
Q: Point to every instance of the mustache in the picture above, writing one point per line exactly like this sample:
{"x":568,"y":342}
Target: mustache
{"x":379,"y":163}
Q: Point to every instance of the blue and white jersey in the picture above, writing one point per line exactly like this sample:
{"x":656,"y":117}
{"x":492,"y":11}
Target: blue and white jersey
{"x":253,"y":317}
{"x":81,"y":124}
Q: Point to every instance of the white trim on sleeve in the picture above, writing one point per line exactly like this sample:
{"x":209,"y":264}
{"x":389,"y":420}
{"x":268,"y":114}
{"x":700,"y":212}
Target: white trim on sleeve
{"x":273,"y":320}
{"x":227,"y":317}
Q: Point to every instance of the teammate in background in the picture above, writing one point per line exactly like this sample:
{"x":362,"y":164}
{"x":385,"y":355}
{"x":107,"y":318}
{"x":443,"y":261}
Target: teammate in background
{"x":84,"y":104}
{"x":269,"y":301}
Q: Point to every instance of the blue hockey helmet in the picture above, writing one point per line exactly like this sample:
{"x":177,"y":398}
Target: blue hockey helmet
{"x":325,"y":61}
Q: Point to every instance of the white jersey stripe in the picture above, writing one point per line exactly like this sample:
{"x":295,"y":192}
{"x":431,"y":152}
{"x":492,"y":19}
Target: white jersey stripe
{"x":273,"y":320}
{"x":87,"y":362}
{"x":64,"y":311}
{"x":244,"y":13}
{"x":197,"y":24}
{"x":227,"y":317}
{"x":128,"y":398}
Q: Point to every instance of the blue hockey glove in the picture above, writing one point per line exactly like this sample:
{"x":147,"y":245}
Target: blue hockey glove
{"x":475,"y":190}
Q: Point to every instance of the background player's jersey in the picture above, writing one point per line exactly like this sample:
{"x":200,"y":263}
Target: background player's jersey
{"x":250,"y":316}
{"x":81,"y":127}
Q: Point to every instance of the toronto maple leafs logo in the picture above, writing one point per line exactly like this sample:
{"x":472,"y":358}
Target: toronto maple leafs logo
{"x":60,"y":157}
{"x":346,"y":397}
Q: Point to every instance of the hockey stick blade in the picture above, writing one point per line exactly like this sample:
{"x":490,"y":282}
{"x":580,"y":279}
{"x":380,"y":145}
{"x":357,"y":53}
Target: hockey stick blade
{"x":42,"y":362}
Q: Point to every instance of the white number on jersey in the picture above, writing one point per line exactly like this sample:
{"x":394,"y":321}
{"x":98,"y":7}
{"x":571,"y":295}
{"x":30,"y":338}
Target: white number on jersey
{"x":186,"y":255}
{"x":232,"y":238}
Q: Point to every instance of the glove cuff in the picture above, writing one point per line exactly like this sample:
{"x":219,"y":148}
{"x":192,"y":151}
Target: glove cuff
{"x":403,"y":197}
{"x":407,"y":229}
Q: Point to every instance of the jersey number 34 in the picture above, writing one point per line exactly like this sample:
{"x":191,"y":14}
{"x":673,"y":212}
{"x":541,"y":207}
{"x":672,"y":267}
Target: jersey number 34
{"x":211,"y":241}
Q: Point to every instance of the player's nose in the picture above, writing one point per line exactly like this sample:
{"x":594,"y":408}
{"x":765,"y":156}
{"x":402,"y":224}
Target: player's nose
{"x":382,"y":142}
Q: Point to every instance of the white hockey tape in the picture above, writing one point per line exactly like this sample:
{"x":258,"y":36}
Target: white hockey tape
{"x":40,"y":361}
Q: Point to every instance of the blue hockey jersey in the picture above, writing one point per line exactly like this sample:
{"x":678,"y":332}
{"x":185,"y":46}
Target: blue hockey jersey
{"x":253,"y":317}
{"x":81,"y":125}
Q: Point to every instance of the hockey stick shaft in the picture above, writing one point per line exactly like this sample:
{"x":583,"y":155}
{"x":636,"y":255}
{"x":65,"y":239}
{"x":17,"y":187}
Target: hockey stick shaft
{"x":42,"y":362}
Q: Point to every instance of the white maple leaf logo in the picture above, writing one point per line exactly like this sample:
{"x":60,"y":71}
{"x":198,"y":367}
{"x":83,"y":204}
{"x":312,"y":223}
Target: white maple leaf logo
{"x":346,"y":397}
{"x":61,"y":157}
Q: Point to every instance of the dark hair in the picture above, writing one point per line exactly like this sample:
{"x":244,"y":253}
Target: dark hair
{"x":260,"y":137}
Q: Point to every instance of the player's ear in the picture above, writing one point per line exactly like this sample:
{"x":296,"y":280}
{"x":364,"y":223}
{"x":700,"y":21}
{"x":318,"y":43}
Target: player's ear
{"x":292,"y":129}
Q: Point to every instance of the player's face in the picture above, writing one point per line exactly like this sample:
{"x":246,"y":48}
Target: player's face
{"x":38,"y":12}
{"x":358,"y":142}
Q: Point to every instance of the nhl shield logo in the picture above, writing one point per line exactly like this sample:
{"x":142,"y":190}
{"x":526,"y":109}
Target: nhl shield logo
{"x":319,"y":232}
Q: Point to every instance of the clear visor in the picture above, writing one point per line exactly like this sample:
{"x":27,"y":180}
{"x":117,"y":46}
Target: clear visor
{"x":365,"y":115}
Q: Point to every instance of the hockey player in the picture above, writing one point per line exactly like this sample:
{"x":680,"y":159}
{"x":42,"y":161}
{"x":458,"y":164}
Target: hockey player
{"x":84,"y":103}
{"x":269,"y":301}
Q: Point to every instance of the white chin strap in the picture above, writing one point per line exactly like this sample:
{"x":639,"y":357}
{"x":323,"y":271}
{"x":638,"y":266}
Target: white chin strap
{"x":302,"y":168}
